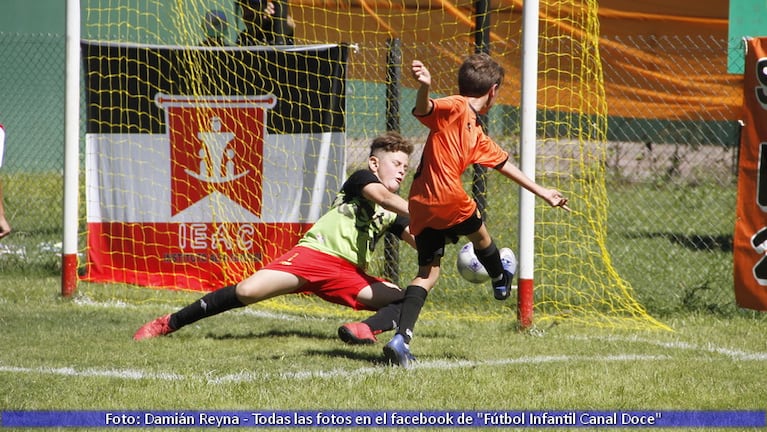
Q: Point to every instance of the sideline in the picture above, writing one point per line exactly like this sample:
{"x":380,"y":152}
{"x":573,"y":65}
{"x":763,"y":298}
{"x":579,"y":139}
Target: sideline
{"x":247,"y":377}
{"x":678,"y":345}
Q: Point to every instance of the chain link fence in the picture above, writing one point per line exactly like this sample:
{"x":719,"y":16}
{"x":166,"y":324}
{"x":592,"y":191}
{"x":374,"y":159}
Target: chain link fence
{"x":32,"y":110}
{"x":671,"y":179}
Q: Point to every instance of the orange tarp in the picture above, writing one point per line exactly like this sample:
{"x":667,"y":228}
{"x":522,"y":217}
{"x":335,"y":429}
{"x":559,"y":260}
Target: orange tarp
{"x":656,"y":81}
{"x":750,"y":235}
{"x":661,"y":59}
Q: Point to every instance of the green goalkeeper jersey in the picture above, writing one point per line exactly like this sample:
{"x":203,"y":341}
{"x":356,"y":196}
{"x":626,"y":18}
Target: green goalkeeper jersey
{"x":353,"y":225}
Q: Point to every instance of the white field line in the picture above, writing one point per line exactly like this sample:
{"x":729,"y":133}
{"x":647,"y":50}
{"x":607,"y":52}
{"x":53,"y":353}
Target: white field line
{"x":131,"y":374}
{"x":246,"y":377}
{"x":444,"y":364}
{"x":734,"y":354}
{"x":435,"y":364}
{"x":678,"y":345}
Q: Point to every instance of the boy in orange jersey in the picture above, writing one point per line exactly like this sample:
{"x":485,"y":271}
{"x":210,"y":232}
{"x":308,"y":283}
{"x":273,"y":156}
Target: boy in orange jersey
{"x":440,"y":209}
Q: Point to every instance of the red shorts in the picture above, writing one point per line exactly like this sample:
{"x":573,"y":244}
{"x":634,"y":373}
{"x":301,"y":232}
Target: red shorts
{"x":329,"y":277}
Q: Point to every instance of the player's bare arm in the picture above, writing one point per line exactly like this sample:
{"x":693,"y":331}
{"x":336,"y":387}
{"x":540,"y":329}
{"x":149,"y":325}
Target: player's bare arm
{"x":551,"y":196}
{"x":423,"y":104}
{"x":382,"y":196}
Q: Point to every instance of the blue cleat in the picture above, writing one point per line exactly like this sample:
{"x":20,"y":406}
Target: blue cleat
{"x":502,"y":288}
{"x":398,"y":352}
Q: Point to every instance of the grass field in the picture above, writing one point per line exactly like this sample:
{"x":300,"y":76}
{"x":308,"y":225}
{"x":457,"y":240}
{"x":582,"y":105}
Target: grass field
{"x":75,"y":354}
{"x":72,"y":354}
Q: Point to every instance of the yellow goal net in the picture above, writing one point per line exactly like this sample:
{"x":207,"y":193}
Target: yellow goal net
{"x":215,"y":135}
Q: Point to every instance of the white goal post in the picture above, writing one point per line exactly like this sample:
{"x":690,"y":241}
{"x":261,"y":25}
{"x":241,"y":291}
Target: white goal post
{"x":71,"y":150}
{"x":528,"y":107}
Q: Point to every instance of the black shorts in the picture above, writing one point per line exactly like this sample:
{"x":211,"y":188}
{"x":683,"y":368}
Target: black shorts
{"x":430,"y":243}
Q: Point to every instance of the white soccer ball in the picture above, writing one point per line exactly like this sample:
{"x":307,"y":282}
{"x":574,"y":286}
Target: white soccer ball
{"x":469,"y":266}
{"x":473,"y":271}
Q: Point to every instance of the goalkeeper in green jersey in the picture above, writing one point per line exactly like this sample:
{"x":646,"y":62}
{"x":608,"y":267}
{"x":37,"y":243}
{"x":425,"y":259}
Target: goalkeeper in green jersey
{"x":331,"y":259}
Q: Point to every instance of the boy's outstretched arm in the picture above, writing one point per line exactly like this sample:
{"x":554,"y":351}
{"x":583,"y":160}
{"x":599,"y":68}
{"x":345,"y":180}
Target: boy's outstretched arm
{"x":551,"y":196}
{"x":423,"y":104}
{"x":378,"y":193}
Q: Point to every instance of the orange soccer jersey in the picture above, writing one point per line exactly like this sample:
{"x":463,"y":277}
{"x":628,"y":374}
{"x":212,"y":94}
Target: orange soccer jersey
{"x":456,"y":141}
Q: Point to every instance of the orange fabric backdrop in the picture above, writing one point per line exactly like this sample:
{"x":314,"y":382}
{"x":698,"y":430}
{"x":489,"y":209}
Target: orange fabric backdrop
{"x":667,"y":68}
{"x":750,"y":238}
{"x":646,"y":83}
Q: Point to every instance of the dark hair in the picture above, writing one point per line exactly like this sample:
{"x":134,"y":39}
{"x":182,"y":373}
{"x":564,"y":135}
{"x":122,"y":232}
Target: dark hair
{"x":391,"y":142}
{"x":478,"y":74}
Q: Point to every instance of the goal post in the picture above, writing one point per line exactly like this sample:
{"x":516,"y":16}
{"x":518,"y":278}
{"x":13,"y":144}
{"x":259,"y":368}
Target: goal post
{"x":527,"y":126}
{"x":71,"y":150}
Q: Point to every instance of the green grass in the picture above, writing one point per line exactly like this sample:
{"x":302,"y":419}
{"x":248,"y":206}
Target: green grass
{"x":72,"y":354}
{"x":669,"y":242}
{"x":674,"y":245}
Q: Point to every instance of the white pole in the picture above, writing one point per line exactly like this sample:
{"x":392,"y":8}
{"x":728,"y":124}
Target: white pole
{"x":71,"y":150}
{"x":528,"y":120}
{"x":318,"y":190}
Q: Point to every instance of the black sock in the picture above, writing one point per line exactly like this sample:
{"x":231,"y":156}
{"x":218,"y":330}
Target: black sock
{"x":490,"y":257}
{"x":415,"y":297}
{"x":385,"y":318}
{"x":210,"y":304}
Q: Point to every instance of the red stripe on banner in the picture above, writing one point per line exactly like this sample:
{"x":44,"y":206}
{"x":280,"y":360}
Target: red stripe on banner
{"x":188,"y":256}
{"x":750,"y":237}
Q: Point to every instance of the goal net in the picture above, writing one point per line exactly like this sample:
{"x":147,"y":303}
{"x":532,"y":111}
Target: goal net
{"x":206,"y":158}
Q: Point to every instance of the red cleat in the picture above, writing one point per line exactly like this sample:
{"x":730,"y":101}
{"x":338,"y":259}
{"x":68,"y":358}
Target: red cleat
{"x":356,"y":333}
{"x":157,"y":327}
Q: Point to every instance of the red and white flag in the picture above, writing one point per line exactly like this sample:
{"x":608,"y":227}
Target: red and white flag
{"x":196,"y":192}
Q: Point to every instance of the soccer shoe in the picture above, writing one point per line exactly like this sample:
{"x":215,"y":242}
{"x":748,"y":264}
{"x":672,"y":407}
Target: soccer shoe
{"x":502,"y":288}
{"x":157,"y":327}
{"x":509,"y":261}
{"x":356,"y":333}
{"x":397,"y":352}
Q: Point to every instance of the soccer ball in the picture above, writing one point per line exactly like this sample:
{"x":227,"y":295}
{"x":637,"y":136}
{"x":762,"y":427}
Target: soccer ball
{"x":472,"y":270}
{"x":469,"y":266}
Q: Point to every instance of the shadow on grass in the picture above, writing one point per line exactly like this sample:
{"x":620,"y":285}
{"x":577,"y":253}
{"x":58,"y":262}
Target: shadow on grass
{"x":696,"y":242}
{"x":269,"y":334}
{"x":374,"y":357}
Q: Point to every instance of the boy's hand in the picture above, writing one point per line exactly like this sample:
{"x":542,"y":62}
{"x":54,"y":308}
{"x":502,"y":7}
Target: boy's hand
{"x":420,"y":73}
{"x":269,"y":9}
{"x":556,"y":199}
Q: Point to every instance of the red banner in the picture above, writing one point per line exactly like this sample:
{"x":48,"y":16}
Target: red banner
{"x":226,"y":156}
{"x":750,"y":238}
{"x":192,"y":256}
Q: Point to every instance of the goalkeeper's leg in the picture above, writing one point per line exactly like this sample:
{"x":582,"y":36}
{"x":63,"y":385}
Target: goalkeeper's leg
{"x":260,"y":286}
{"x":210,"y":304}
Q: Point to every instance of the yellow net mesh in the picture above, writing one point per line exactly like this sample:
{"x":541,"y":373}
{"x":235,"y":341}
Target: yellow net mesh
{"x":574,"y":278}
